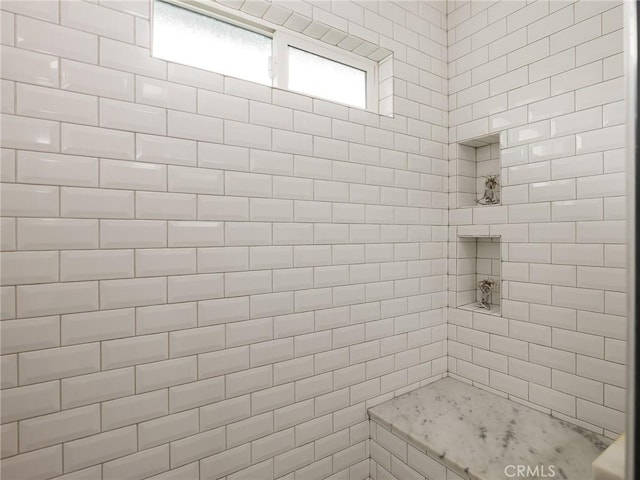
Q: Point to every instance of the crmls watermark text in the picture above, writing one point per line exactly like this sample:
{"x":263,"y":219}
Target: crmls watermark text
{"x":524,"y":471}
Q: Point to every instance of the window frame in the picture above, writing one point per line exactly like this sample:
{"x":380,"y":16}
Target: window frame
{"x":283,"y":38}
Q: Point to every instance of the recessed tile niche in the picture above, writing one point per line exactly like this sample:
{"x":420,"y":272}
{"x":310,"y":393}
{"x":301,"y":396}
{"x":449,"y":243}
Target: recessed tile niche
{"x":475,"y":160}
{"x":477,"y":259}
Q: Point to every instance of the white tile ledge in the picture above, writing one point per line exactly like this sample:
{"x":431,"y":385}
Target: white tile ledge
{"x":475,"y":307}
{"x":478,"y":434}
{"x":610,"y":464}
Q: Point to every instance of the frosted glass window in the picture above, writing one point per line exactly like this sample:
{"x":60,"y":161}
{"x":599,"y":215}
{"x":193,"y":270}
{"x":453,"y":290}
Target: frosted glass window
{"x":321,"y":77}
{"x":184,"y":36}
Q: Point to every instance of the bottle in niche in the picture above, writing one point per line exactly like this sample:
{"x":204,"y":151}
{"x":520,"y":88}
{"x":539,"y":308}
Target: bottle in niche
{"x":486,"y":287}
{"x":490,"y":196}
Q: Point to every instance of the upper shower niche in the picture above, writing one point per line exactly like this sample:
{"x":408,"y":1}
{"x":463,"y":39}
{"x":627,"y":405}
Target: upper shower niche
{"x":477,"y":172}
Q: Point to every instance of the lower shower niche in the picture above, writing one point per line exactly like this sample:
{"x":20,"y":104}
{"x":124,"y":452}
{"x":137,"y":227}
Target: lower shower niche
{"x":478,"y":274}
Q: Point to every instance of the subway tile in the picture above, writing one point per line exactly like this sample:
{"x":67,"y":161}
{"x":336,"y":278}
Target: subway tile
{"x":601,"y":370}
{"x":607,"y":185}
{"x":165,"y":429}
{"x":148,"y":462}
{"x":89,"y":327}
{"x":255,"y":233}
{"x":613,"y":114}
{"x":600,"y":93}
{"x":43,"y":463}
{"x":615,"y":208}
{"x":97,"y":19}
{"x":223,"y":106}
{"x":29,"y":200}
{"x":550,"y":149}
{"x":133,"y":233}
{"x":164,"y":374}
{"x":132,"y":292}
{"x":132,"y":175}
{"x":578,"y":386}
{"x":195,"y":234}
{"x":581,"y":121}
{"x":553,"y":190}
{"x":35,"y":101}
{"x":8,"y":308}
{"x":529,"y":133}
{"x":226,"y":462}
{"x":556,"y":359}
{"x":248,"y":184}
{"x":20,"y":268}
{"x":56,"y":40}
{"x":612,"y":231}
{"x":195,"y":180}
{"x":552,"y":275}
{"x":190,"y":395}
{"x":601,"y":47}
{"x":160,"y":205}
{"x":133,"y":409}
{"x":578,"y":342}
{"x":156,"y":149}
{"x":223,"y":208}
{"x":594,"y":413}
{"x":534,"y":51}
{"x":200,"y":340}
{"x":162,"y":318}
{"x":59,"y":427}
{"x":578,"y":166}
{"x":96,"y":141}
{"x":586,"y":299}
{"x":132,"y":351}
{"x":576,"y":78}
{"x":30,"y":134}
{"x":602,"y":278}
{"x":247,"y":135}
{"x":577,"y":34}
{"x":532,"y":172}
{"x":9,"y":435}
{"x":275,"y":163}
{"x":130,"y":58}
{"x":99,"y":448}
{"x":575,"y":210}
{"x":8,"y":96}
{"x":56,"y":298}
{"x":30,"y":334}
{"x":30,"y":67}
{"x":553,"y":399}
{"x":270,"y":115}
{"x":96,"y":80}
{"x":96,"y":203}
{"x":39,"y":9}
{"x":159,"y":93}
{"x":612,"y":20}
{"x":43,"y":365}
{"x":30,"y":401}
{"x":132,"y":117}
{"x":196,"y":447}
{"x":194,"y":127}
{"x":155,"y":262}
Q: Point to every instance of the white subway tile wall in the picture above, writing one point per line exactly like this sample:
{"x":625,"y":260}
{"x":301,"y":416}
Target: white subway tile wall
{"x":548,"y":78}
{"x":207,"y":278}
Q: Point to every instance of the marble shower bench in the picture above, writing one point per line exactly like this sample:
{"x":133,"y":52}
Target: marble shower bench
{"x":452,"y":430}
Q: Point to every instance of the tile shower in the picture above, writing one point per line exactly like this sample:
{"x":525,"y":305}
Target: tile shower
{"x":203,"y":277}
